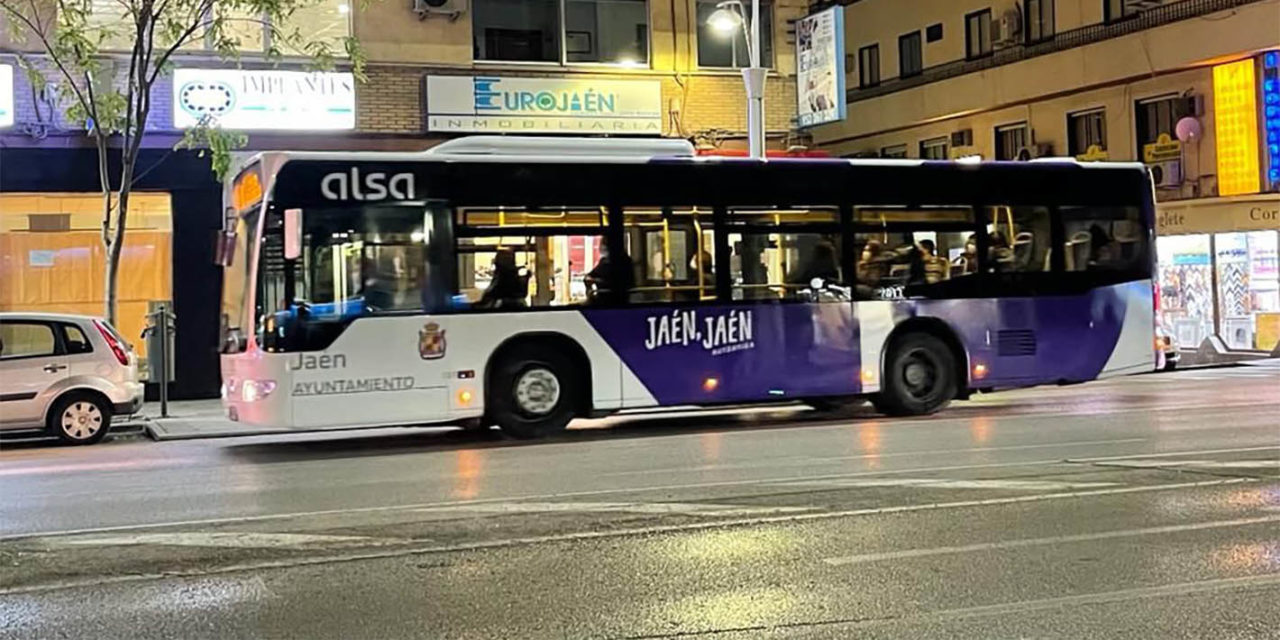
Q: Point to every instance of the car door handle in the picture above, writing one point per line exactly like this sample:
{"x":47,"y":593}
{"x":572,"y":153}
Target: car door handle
{"x":54,"y":368}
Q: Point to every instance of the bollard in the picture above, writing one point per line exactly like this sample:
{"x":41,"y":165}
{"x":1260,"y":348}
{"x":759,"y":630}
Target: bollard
{"x":159,"y":335}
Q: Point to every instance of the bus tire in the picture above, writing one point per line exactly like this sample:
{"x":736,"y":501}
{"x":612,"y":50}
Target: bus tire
{"x":533,"y":392}
{"x":919,"y":376}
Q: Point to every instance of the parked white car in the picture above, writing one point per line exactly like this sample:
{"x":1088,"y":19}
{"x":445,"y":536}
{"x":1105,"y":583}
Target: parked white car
{"x":67,"y":374}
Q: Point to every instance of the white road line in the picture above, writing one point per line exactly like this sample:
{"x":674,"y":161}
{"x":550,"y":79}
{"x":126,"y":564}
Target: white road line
{"x":1038,"y":542}
{"x":223,"y":539}
{"x":591,"y":535}
{"x":1170,"y":454}
{"x":1199,"y":464}
{"x":653,"y":508}
{"x":943,"y":483}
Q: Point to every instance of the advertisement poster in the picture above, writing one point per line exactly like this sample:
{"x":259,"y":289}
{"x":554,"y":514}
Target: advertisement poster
{"x":820,"y":67}
{"x":544,"y":105}
{"x":264,"y":100}
{"x":6,"y":95}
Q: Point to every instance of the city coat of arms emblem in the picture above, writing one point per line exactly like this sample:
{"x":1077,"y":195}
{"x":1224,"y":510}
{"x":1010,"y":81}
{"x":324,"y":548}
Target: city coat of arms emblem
{"x":431,"y":344}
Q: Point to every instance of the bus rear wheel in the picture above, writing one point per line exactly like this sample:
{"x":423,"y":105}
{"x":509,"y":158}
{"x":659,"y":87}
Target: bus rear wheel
{"x":533,"y":392}
{"x":919,"y":376}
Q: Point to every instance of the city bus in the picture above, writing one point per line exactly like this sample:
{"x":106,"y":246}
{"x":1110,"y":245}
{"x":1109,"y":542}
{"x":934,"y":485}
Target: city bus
{"x":523,"y":283}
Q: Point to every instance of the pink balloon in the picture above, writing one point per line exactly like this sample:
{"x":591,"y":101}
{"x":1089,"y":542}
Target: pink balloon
{"x":1188,"y":129}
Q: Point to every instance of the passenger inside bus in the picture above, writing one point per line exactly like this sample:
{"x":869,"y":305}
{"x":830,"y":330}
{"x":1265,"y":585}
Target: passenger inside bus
{"x":612,"y":279}
{"x":822,"y":263}
{"x":509,"y":287}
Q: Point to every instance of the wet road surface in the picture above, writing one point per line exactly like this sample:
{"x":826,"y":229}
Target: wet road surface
{"x":1142,"y":507}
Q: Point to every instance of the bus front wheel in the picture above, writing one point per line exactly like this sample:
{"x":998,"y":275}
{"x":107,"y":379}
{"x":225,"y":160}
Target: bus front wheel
{"x":533,"y":392}
{"x":919,"y":376}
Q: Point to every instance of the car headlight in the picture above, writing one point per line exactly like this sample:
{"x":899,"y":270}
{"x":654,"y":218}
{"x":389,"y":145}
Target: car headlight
{"x":254,"y":390}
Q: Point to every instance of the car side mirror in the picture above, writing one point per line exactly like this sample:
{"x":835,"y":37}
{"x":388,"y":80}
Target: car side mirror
{"x":292,"y":234}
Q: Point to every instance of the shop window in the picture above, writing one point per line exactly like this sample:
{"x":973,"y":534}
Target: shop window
{"x":1103,"y":239}
{"x":910,"y":55}
{"x":673,"y":251}
{"x":1186,"y":287}
{"x":869,"y":66}
{"x":26,"y":340}
{"x":1018,"y":239}
{"x":515,"y":258}
{"x":1086,"y":130}
{"x":1248,"y":289}
{"x":725,"y":44}
{"x":934,"y":149}
{"x":896,"y":151}
{"x":59,"y":268}
{"x":1011,"y":139}
{"x":777,"y":253}
{"x":977,"y":34}
{"x":1039,"y":18}
{"x":561,"y":31}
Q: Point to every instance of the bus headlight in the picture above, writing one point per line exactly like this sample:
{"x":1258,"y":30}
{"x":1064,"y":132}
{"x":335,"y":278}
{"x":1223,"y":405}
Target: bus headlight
{"x":254,"y":390}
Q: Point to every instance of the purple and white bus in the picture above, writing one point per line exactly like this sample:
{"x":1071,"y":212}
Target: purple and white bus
{"x":524,"y":283}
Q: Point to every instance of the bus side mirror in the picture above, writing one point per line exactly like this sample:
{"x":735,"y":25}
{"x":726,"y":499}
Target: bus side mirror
{"x":224,"y":248}
{"x":292,"y":234}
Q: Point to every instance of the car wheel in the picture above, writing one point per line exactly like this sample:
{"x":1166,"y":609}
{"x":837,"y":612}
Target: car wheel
{"x":919,"y":376}
{"x":533,"y":392}
{"x":80,"y":418}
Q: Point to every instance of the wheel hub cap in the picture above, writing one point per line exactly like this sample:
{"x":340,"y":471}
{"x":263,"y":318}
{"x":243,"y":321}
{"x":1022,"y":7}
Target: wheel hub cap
{"x":81,"y":420}
{"x":537,"y":391}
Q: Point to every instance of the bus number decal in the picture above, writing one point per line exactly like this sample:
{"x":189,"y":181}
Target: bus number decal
{"x":891,"y":293}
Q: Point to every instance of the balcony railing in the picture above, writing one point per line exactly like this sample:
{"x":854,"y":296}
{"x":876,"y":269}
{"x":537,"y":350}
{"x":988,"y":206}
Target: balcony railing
{"x":1146,"y":19}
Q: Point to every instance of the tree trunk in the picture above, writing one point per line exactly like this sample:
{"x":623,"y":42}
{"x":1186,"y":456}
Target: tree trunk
{"x":109,"y":235}
{"x":117,"y":242}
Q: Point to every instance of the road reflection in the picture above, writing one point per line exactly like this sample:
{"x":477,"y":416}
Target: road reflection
{"x":468,"y":473}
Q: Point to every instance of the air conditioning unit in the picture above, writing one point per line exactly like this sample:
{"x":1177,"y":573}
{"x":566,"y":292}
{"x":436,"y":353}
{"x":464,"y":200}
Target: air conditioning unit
{"x":1167,"y":174}
{"x":962,"y":138}
{"x":1006,"y":31}
{"x":448,"y":8}
{"x":1037,"y":150}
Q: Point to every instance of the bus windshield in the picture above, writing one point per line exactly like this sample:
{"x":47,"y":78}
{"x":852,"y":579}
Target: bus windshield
{"x":355,"y":260}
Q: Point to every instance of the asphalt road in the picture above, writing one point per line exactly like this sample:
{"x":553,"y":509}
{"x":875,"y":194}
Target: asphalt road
{"x":1146,"y":507}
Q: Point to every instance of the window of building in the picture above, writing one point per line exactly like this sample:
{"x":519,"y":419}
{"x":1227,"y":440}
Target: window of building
{"x":673,"y":249}
{"x":1248,"y":288}
{"x":26,"y":340}
{"x":1086,"y":130}
{"x":1157,"y":116}
{"x":718,"y":47}
{"x":895,"y":151}
{"x":934,"y":148}
{"x":58,"y":269}
{"x":977,"y":34}
{"x":910,"y":55}
{"x":561,"y":31}
{"x":933,"y":33}
{"x":777,"y":253}
{"x":321,"y":21}
{"x":1040,"y":23}
{"x":1010,"y":139}
{"x":1018,"y":239}
{"x":869,"y":66}
{"x":1115,"y":9}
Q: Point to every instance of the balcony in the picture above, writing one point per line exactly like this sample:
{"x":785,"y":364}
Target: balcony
{"x":1147,"y":19}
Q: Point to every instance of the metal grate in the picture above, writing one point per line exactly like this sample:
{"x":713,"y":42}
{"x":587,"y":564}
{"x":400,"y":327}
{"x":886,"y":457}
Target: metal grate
{"x":1016,"y":342}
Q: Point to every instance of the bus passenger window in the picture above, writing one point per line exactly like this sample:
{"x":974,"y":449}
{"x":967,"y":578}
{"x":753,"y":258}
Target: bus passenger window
{"x":1018,"y":239}
{"x":1103,"y":238}
{"x":902,"y":258}
{"x":672,"y":249}
{"x":516,"y":258}
{"x":778,"y":252}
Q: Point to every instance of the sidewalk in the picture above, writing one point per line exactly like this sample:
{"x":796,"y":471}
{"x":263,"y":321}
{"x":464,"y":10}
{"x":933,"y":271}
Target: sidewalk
{"x":194,"y":419}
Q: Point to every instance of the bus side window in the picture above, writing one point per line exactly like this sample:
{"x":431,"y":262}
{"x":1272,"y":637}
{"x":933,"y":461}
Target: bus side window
{"x":1103,"y":238}
{"x":777,"y":252}
{"x":1018,"y":239}
{"x":916,"y":247}
{"x":518,"y":257}
{"x":672,"y":250}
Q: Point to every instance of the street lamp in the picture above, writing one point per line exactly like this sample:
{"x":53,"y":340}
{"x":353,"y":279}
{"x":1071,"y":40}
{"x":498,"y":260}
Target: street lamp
{"x":725,"y":20}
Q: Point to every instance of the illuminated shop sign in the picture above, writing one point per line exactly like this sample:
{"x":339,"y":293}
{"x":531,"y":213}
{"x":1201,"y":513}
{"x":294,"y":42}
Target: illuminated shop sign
{"x":264,"y":100}
{"x":543,"y":105}
{"x":1271,"y":115}
{"x":1235,"y":105}
{"x":6,"y":95}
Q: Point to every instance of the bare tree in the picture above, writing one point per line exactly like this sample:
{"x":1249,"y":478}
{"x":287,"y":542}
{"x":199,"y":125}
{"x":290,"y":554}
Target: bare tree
{"x":69,"y":40}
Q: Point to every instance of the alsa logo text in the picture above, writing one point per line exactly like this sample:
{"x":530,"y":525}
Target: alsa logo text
{"x":354,"y":185}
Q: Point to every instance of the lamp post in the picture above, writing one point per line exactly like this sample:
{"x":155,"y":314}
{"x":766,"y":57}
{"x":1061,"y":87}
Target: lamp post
{"x":727,"y":18}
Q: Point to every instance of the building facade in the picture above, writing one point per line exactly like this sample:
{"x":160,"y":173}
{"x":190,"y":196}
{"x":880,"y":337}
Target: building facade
{"x":437,"y":69}
{"x":1190,"y":87}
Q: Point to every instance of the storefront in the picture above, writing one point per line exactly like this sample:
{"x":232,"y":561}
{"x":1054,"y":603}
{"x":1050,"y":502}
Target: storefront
{"x":1219,"y":271}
